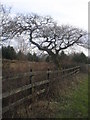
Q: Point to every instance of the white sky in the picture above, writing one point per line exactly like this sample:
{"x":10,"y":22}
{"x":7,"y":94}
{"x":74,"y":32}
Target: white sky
{"x":73,"y":12}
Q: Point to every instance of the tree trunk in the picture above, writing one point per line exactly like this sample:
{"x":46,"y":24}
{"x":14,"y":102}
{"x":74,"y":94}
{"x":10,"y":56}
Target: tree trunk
{"x":56,"y":61}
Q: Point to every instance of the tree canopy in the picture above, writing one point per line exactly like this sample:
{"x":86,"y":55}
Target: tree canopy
{"x":44,"y":33}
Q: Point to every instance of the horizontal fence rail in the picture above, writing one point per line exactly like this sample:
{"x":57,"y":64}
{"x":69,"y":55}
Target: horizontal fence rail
{"x":33,"y":85}
{"x":36,"y":73}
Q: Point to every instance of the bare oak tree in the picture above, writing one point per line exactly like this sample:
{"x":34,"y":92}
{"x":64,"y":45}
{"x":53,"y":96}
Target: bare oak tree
{"x":44,"y":33}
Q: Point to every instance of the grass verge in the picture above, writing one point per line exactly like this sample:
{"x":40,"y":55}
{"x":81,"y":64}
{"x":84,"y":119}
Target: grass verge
{"x":74,"y":104}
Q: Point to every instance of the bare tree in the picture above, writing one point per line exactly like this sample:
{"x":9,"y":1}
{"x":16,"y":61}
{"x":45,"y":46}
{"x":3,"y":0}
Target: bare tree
{"x":4,"y":15}
{"x":44,"y":33}
{"x":4,"y":19}
{"x":22,"y":44}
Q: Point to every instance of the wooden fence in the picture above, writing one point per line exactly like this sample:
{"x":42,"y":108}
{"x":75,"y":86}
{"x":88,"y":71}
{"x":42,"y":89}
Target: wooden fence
{"x":32,"y":85}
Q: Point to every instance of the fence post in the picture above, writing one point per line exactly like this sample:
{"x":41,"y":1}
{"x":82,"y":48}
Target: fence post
{"x":48,"y":74}
{"x":30,"y":76}
{"x":32,"y":89}
{"x":48,"y":77}
{"x":48,"y":86}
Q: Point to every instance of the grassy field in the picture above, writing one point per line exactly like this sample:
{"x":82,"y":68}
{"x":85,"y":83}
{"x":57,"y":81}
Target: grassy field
{"x":74,"y":104}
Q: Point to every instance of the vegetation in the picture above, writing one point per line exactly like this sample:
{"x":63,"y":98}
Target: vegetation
{"x":69,"y":101}
{"x":74,"y":104}
{"x":80,"y":58}
{"x":9,"y":53}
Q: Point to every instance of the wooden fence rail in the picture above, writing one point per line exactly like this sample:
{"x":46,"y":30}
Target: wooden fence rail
{"x":31,"y":86}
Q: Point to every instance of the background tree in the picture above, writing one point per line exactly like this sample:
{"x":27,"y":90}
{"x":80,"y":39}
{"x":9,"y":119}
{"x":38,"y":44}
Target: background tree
{"x":21,"y":56}
{"x":48,"y":59}
{"x":80,"y":58}
{"x":8,"y":53}
{"x":29,"y":57}
{"x":33,"y":57}
{"x":88,"y":60}
{"x":22,"y":44}
{"x":45,"y":34}
{"x":62,"y":55}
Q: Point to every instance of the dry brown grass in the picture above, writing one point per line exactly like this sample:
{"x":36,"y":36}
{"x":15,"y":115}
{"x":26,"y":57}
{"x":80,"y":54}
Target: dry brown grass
{"x":16,"y":66}
{"x":10,"y":68}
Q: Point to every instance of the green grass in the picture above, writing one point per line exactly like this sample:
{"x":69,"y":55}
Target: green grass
{"x":74,"y":104}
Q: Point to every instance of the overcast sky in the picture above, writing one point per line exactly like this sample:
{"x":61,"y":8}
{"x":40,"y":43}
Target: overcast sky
{"x":72,"y":12}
